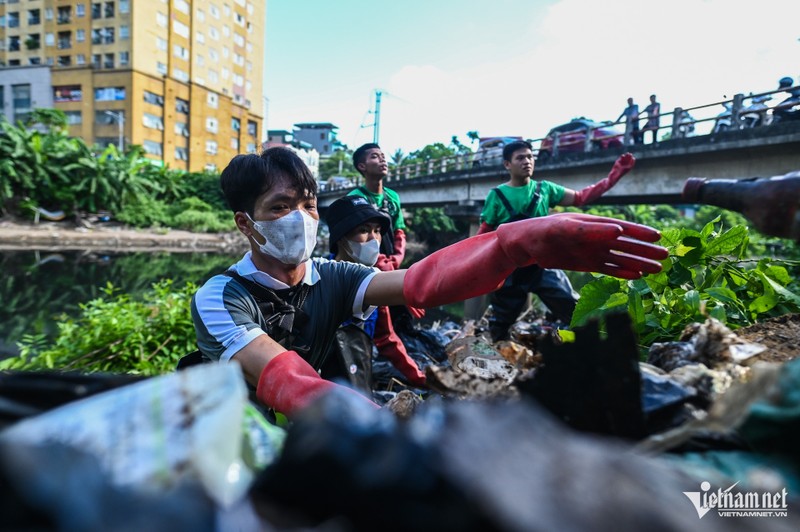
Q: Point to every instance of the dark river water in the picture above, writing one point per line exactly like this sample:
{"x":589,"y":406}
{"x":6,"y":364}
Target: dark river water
{"x":38,"y":286}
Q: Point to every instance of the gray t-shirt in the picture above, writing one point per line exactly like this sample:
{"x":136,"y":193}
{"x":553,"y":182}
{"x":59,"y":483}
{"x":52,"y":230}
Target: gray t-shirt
{"x":227,"y":318}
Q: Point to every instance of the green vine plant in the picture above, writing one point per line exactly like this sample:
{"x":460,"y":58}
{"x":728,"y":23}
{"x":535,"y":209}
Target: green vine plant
{"x":706,"y":275}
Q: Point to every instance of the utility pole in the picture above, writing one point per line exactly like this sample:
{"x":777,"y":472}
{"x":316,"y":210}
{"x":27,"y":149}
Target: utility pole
{"x":376,"y":131}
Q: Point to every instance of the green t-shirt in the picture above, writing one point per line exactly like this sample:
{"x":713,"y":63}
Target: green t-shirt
{"x":495,"y":213}
{"x":389,"y":201}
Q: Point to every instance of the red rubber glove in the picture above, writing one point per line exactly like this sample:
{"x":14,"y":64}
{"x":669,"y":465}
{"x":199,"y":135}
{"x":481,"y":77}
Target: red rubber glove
{"x":391,"y":347}
{"x":288,"y":384}
{"x":621,"y":167}
{"x":484,"y":228}
{"x":389,"y":263}
{"x":570,"y":241}
{"x":417,"y":313}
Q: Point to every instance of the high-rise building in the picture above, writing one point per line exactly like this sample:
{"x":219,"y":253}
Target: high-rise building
{"x":182,"y":78}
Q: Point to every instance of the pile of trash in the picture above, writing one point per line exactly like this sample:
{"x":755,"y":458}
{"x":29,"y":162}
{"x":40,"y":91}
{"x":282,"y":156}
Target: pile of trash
{"x":544,"y":432}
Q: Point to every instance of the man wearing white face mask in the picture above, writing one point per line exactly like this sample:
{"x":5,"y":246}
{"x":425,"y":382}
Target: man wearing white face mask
{"x":281,"y":338}
{"x":356,"y":227}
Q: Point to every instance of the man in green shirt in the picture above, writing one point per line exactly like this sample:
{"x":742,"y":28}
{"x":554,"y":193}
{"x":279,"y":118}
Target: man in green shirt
{"x":371,"y":163}
{"x":522,"y":197}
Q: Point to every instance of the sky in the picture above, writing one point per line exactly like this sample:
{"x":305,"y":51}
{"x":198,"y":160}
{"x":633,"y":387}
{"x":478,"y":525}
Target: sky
{"x":513,"y":67}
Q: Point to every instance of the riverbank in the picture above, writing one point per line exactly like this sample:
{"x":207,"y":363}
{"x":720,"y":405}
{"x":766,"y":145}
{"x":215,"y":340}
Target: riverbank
{"x":111,"y":236}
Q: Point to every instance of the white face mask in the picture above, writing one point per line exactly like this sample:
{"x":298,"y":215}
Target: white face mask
{"x":365,"y":253}
{"x":290,"y":238}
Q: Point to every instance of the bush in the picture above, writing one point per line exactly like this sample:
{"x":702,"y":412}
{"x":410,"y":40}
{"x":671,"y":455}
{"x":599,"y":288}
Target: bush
{"x":193,"y":214}
{"x":117,"y":334}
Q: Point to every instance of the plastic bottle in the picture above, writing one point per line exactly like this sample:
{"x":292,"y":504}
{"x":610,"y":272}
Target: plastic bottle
{"x":771,"y":204}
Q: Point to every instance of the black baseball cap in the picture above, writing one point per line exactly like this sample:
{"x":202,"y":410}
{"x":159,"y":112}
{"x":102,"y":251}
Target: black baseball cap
{"x":347,"y":213}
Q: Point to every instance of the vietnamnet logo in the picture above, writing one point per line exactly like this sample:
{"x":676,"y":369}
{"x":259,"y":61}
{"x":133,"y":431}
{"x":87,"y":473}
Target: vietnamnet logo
{"x":738,"y":504}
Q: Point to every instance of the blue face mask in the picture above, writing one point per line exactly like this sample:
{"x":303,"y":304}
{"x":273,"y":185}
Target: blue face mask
{"x":290,"y":238}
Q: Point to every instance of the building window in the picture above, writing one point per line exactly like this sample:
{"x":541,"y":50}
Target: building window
{"x":110,"y":118}
{"x":80,"y":10}
{"x":64,"y":14}
{"x":161,"y":44}
{"x":236,"y":124}
{"x":108,"y":62}
{"x":226,"y":53}
{"x":80,"y":59}
{"x":213,"y":33}
{"x":212,"y":99}
{"x":226,"y":31}
{"x":213,"y":10}
{"x":107,"y":94}
{"x":108,"y":36}
{"x":109,"y":11}
{"x":124,"y":58}
{"x":124,"y":32}
{"x":67,"y":93}
{"x":161,"y":19}
{"x":155,"y":99}
{"x":64,"y":60}
{"x":97,"y":10}
{"x":212,"y":125}
{"x":64,"y":40}
{"x":181,"y":129}
{"x":74,"y":118}
{"x":33,"y":42}
{"x":213,"y":55}
{"x":97,"y":36}
{"x":181,"y":5}
{"x":180,"y":75}
{"x":251,"y":147}
{"x":96,"y":59}
{"x":21,"y":95}
{"x":13,"y":43}
{"x":161,"y":68}
{"x":152,"y":121}
{"x":180,"y":28}
{"x":235,"y":143}
{"x":181,"y":154}
{"x":213,"y":77}
{"x":226,"y":9}
{"x":124,"y":6}
{"x":80,"y":35}
{"x":180,"y":52}
{"x":34,"y":17}
{"x":211,"y":147}
{"x":201,"y":15}
{"x":252,"y":128}
{"x":199,"y":37}
{"x":200,"y":60}
{"x":34,"y":60}
{"x":182,"y":106}
{"x":48,"y":13}
{"x":12,"y":19}
{"x":225,"y":73}
{"x":152,"y":148}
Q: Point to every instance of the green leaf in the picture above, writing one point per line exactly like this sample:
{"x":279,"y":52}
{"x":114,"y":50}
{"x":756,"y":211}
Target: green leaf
{"x":727,"y":242}
{"x":764,"y":303}
{"x":723,"y":294}
{"x":594,"y":298}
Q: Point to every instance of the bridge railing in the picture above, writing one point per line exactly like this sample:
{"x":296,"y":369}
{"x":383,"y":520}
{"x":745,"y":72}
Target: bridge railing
{"x":681,"y":122}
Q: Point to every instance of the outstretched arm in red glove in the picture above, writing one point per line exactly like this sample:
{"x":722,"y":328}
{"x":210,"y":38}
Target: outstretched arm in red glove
{"x":284,"y":380}
{"x":478,"y":265}
{"x":622,"y":166}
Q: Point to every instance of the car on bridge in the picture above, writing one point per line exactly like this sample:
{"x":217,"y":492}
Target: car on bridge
{"x":572,"y":137}
{"x":490,"y":150}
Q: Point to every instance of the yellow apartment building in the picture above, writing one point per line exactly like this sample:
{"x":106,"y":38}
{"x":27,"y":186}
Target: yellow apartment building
{"x":182,"y":78}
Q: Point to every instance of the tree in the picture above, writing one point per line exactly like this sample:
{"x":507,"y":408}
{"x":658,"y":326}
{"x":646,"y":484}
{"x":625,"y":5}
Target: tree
{"x":338,"y":163}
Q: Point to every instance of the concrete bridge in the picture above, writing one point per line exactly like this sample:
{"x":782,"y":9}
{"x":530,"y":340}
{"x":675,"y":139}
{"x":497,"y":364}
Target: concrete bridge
{"x":658,"y":178}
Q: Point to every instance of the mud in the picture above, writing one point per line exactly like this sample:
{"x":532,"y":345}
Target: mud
{"x":780,"y":335}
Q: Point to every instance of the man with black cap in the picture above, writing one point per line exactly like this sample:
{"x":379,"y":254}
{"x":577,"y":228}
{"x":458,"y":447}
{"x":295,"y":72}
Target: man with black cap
{"x":282,"y":344}
{"x":356,"y":228}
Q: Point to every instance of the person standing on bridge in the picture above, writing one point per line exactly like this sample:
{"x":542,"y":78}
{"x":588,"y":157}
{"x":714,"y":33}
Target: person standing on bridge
{"x":631,"y":115}
{"x":282,"y":341}
{"x":522,"y":197}
{"x":653,"y":118}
